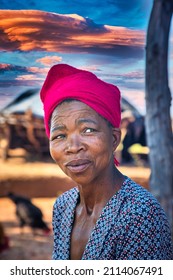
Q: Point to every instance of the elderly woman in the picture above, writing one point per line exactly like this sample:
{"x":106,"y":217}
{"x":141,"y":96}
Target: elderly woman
{"x":106,"y":216}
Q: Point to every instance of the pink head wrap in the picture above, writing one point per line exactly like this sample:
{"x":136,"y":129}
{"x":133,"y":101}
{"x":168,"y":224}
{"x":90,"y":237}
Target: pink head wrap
{"x":64,"y":82}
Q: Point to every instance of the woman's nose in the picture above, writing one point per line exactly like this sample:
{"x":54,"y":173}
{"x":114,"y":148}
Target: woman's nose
{"x":74,"y":144}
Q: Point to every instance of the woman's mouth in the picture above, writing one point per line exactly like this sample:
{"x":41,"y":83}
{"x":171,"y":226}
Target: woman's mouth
{"x":78,"y":165}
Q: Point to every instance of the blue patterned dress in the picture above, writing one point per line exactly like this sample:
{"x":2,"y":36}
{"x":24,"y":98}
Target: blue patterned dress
{"x":132,"y":226}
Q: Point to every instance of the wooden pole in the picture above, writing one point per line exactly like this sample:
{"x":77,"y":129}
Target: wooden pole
{"x":158,"y":102}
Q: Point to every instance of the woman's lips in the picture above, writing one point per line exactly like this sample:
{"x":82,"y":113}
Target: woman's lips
{"x":78,"y":165}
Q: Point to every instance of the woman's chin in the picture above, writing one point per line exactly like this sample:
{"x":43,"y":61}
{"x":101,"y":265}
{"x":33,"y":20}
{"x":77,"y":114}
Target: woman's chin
{"x":80,"y":179}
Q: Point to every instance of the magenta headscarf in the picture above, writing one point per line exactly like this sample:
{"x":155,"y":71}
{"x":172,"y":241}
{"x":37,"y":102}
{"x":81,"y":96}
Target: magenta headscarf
{"x":64,"y":82}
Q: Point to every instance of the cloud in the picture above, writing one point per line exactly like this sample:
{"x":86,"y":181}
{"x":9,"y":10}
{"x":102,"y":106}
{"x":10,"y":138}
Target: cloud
{"x":28,"y":78}
{"x":34,"y":76}
{"x":49,"y":60}
{"x":6,"y":69}
{"x":38,"y":70}
{"x":35,"y":40}
{"x":21,"y":82}
{"x":21,"y":76}
{"x":137,"y":75}
{"x":4,"y":66}
{"x":132,"y":13}
{"x":92,"y":68}
{"x":129,"y":80}
{"x":42,"y":31}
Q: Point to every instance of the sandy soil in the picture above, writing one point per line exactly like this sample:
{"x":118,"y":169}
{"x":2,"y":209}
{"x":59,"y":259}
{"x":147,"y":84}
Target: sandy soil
{"x":43,"y":182}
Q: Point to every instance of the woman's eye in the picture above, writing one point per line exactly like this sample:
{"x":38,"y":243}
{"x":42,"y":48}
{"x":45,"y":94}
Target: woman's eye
{"x":60,"y":136}
{"x":89,"y":130}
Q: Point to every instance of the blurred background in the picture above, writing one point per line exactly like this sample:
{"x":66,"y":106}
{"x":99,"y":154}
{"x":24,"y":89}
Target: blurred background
{"x":105,"y":37}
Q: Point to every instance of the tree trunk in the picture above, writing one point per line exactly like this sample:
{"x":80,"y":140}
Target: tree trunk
{"x":158,"y":102}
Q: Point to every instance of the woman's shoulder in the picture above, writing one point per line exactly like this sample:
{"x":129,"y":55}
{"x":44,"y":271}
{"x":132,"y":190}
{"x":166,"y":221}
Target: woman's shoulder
{"x":143,"y":216}
{"x":135,"y":191}
{"x":138,"y":199}
{"x":67,"y":198}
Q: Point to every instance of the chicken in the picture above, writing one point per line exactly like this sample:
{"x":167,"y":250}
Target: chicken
{"x":28,"y":214}
{"x":4,"y":240}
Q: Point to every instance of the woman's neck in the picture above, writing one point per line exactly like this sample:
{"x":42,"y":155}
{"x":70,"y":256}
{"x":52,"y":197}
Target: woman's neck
{"x":95,"y":195}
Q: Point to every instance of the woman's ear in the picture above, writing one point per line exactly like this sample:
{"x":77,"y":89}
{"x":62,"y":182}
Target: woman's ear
{"x":116,"y":132}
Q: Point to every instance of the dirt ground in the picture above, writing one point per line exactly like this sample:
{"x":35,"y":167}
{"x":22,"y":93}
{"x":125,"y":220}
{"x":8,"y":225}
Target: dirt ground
{"x":24,"y":245}
{"x":43,"y":182}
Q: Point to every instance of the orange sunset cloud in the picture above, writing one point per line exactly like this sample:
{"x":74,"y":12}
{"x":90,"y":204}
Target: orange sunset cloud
{"x":49,"y":60}
{"x":36,"y":30}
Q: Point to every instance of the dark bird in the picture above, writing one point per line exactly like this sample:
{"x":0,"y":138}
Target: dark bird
{"x":28,"y":214}
{"x":4,"y":240}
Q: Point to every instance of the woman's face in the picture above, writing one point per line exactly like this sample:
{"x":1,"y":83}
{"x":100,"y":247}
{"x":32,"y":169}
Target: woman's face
{"x":81,"y":142}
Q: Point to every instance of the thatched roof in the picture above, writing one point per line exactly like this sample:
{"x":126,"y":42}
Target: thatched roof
{"x":30,"y":100}
{"x":23,"y":102}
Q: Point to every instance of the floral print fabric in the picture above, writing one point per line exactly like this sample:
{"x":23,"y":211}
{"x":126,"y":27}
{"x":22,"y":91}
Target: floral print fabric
{"x":132,"y":226}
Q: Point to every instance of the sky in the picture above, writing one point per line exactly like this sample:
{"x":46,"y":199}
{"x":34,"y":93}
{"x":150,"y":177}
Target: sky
{"x":106,"y":37}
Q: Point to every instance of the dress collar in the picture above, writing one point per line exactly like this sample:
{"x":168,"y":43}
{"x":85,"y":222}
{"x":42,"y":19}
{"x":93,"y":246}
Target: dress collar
{"x":97,"y":239}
